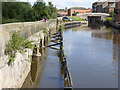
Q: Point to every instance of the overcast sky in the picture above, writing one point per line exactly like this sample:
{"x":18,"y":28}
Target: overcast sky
{"x":72,"y":3}
{"x":61,"y":4}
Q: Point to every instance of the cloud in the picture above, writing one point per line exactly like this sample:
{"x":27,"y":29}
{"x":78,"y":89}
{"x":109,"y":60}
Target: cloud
{"x":61,"y":4}
{"x":72,"y":3}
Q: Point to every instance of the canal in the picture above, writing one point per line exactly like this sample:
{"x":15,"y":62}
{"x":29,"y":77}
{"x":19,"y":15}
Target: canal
{"x":92,"y":56}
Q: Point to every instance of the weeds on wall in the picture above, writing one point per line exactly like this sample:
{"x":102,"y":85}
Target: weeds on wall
{"x":20,"y":45}
{"x":45,"y":31}
{"x":17,"y":44}
{"x":60,"y":27}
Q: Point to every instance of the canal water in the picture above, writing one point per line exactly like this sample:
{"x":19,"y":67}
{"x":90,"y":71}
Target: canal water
{"x":45,"y":71}
{"x":92,"y":56}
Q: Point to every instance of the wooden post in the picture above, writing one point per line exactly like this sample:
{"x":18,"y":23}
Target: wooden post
{"x":40,"y":43}
{"x":47,"y":39}
{"x":49,"y":32}
{"x":36,"y":50}
{"x":44,"y":40}
{"x":61,"y":50}
{"x":57,"y":25}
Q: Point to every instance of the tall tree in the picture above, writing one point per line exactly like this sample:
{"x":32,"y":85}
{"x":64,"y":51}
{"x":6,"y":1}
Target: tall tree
{"x":23,"y":11}
{"x":39,"y":9}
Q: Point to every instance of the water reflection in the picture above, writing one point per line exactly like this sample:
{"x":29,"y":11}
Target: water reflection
{"x":104,"y":35}
{"x":62,"y":72}
{"x":93,"y":55}
{"x":116,"y":41}
{"x":94,"y":26}
{"x":34,"y":68}
{"x":37,"y":65}
{"x":110,"y":35}
{"x":41,"y":51}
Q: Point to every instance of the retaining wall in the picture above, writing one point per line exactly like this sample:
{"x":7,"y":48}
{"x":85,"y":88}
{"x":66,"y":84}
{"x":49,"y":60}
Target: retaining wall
{"x":13,"y":76}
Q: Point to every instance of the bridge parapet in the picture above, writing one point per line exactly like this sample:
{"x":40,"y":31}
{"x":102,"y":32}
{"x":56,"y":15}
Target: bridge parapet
{"x":96,"y":14}
{"x":85,"y":15}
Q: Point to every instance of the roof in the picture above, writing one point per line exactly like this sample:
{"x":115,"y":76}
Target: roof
{"x":101,"y":3}
{"x":79,"y":8}
{"x":112,"y":6}
{"x":62,"y":10}
{"x":112,"y":0}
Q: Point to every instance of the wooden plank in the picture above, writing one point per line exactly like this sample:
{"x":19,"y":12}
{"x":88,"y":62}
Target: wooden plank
{"x":55,"y":36}
{"x":53,"y":45}
{"x":56,"y":33}
{"x":54,"y":48}
{"x":55,"y":39}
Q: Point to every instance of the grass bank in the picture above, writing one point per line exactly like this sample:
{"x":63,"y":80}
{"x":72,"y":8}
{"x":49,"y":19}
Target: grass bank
{"x":75,"y":18}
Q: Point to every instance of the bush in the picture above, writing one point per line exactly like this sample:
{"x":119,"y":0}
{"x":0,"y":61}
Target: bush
{"x":24,"y":12}
{"x":17,"y":43}
{"x":9,"y":21}
{"x":109,"y":19}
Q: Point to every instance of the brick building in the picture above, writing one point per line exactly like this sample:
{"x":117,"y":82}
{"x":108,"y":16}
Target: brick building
{"x":97,"y":7}
{"x":117,"y":12}
{"x":109,"y":6}
{"x":103,"y":7}
{"x":94,"y":7}
{"x":63,"y":12}
{"x":74,"y":10}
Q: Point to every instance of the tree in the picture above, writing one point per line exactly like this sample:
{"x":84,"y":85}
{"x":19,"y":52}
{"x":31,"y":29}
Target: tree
{"x":23,"y":11}
{"x":53,"y":10}
{"x":39,"y":8}
{"x":15,"y":10}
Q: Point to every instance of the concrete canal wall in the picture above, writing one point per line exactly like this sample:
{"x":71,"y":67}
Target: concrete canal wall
{"x":13,"y":76}
{"x":74,"y":24}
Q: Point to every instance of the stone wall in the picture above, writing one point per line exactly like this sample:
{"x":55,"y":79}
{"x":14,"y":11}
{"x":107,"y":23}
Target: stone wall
{"x":13,"y":76}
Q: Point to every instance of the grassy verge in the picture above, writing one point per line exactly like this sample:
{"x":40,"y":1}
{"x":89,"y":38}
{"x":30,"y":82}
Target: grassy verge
{"x":75,"y":18}
{"x":4,"y":21}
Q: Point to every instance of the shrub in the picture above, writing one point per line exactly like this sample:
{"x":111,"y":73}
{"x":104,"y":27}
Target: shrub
{"x":17,"y":43}
{"x":9,"y":21}
{"x":109,"y":19}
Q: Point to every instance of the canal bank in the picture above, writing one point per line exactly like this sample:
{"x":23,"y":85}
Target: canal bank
{"x":59,"y":72}
{"x":92,"y":56}
{"x":13,"y":76}
{"x":48,"y":73}
{"x":115,"y":25}
{"x":84,"y":47}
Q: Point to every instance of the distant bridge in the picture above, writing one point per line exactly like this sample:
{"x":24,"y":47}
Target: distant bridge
{"x":86,"y":15}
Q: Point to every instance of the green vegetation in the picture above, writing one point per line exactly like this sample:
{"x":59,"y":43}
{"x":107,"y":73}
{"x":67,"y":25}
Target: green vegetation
{"x":60,"y":27}
{"x":17,"y":44}
{"x":74,"y":14}
{"x":46,"y":32}
{"x":75,"y":18}
{"x":109,"y":19}
{"x":112,"y":14}
{"x":0,"y":12}
{"x":24,"y":12}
